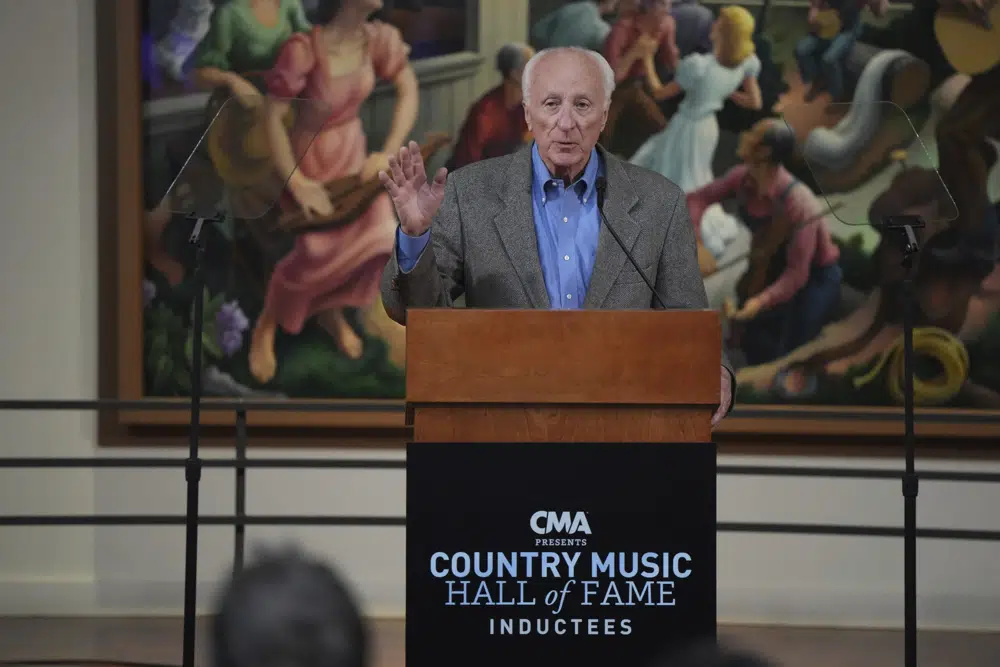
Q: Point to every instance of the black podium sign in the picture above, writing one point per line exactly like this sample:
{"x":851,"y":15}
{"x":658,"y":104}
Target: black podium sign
{"x":558,"y":553}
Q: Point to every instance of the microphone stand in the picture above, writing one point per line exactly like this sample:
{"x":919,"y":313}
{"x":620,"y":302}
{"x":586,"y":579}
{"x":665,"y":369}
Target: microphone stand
{"x":902,"y":228}
{"x":193,"y":464}
{"x":601,"y":186}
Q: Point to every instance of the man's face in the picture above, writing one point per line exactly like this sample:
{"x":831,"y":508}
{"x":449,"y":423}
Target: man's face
{"x":566,"y":109}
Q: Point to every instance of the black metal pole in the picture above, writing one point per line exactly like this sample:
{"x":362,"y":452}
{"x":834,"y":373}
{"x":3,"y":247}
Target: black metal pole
{"x":241,"y":489}
{"x":192,"y":469}
{"x":903,"y":228}
{"x":910,"y":482}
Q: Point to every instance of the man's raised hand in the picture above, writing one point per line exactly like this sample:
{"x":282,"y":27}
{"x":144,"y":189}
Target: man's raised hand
{"x":416,"y":200}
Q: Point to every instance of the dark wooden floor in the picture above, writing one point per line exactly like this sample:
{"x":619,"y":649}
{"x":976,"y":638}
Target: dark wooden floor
{"x":160,"y":640}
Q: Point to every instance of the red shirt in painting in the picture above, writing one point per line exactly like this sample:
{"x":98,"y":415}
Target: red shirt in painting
{"x":627,"y":30}
{"x":812,"y":244}
{"x":491,"y":129}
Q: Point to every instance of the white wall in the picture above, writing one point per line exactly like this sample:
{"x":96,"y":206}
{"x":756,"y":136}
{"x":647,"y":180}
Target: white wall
{"x":48,"y":350}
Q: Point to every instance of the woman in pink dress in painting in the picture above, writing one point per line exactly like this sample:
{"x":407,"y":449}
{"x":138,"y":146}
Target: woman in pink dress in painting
{"x":337,"y":63}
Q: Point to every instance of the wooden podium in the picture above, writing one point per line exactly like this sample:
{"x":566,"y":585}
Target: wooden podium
{"x":562,"y":375}
{"x":560,"y":485}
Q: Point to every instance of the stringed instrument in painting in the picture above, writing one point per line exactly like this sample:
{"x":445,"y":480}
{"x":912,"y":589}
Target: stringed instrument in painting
{"x":763,"y":246}
{"x":350,"y":195}
{"x":969,"y":37}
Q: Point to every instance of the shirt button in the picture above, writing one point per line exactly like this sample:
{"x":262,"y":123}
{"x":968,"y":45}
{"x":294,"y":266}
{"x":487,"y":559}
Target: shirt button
{"x":569,"y":296}
{"x":566,"y":257}
{"x":565,"y":219}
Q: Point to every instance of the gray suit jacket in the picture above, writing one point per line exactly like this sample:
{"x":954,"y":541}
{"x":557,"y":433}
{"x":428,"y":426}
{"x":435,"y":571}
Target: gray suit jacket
{"x":483,"y":244}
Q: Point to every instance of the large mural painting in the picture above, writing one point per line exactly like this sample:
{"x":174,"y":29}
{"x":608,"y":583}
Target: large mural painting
{"x":794,"y":131}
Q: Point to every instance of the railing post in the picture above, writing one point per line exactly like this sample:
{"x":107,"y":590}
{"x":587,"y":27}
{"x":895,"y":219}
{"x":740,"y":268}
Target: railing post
{"x":241,"y":489}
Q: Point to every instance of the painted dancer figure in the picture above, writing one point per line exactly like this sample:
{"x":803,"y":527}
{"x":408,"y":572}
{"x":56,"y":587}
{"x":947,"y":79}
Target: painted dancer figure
{"x":683,"y":152}
{"x":649,"y":34}
{"x":230,"y":50}
{"x":792,"y":284}
{"x":243,"y":43}
{"x":330,"y":270}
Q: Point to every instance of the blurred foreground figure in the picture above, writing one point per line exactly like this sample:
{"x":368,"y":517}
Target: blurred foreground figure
{"x":711,"y":654}
{"x":285,"y":610}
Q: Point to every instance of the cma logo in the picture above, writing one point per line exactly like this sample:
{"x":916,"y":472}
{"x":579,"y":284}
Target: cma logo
{"x":543,"y":523}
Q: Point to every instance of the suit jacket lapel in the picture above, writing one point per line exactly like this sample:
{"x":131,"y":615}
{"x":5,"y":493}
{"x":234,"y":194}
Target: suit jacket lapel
{"x":619,"y":201}
{"x":515,"y":223}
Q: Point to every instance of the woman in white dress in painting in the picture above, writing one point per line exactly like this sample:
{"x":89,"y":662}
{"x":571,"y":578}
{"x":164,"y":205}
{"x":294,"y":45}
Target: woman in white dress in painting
{"x":683,"y":151}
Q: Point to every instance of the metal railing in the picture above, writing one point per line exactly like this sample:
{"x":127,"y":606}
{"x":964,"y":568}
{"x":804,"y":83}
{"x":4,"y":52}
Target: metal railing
{"x":241,"y":463}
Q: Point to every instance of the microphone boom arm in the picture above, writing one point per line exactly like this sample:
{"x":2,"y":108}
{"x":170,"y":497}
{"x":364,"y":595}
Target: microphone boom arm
{"x":601,"y":185}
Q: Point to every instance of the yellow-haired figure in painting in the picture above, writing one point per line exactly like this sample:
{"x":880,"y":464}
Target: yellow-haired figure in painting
{"x":337,"y":267}
{"x":683,"y":152}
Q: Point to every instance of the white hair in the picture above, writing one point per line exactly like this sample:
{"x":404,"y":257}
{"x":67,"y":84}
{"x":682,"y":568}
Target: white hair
{"x":607,"y":73}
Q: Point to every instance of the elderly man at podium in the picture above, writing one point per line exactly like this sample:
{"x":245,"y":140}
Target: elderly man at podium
{"x":524,"y":230}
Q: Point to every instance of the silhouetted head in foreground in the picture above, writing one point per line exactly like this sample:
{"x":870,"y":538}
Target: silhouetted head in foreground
{"x":285,"y":610}
{"x":711,"y":654}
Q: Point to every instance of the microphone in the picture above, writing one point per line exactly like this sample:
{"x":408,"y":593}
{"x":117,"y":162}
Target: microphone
{"x":601,"y":184}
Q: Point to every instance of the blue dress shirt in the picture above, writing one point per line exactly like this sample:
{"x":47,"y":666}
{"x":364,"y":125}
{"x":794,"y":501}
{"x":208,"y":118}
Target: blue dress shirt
{"x":567,"y":226}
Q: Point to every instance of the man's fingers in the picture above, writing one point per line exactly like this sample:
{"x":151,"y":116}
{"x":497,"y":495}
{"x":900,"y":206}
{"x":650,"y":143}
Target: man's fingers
{"x":415,"y":156}
{"x":387,"y":182}
{"x":396,"y":170}
{"x":419,"y":170}
{"x":406,"y":161}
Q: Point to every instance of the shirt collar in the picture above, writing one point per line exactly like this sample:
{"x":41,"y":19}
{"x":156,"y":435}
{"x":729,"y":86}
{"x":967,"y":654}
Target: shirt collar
{"x":586,"y":182}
